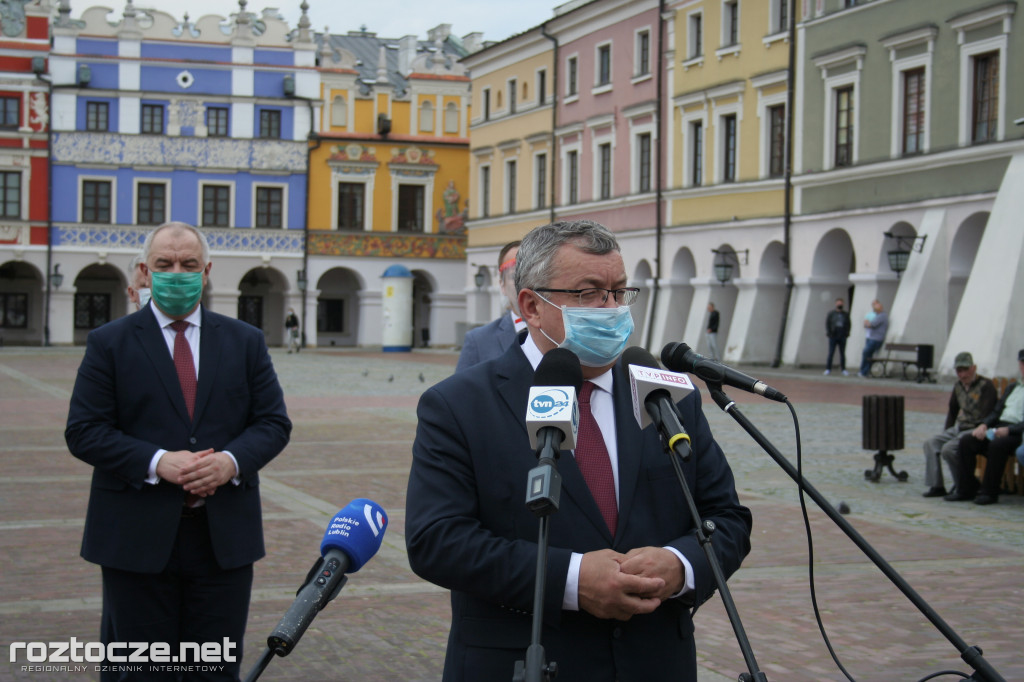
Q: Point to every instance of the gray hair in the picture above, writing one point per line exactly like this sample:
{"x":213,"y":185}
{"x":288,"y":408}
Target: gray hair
{"x":203,"y":243}
{"x":135,"y":272}
{"x":539,"y":246}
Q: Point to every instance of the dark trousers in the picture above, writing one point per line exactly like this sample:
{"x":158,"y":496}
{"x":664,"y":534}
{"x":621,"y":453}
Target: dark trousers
{"x":192,"y":600}
{"x":870,"y":348}
{"x":832,"y":345}
{"x":996,"y":452}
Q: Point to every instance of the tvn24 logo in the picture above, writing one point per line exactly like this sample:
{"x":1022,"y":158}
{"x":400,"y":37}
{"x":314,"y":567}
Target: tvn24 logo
{"x":549,"y":403}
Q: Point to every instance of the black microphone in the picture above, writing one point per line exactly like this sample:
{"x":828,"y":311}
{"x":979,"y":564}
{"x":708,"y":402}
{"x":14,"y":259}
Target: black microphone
{"x":353,"y":536}
{"x":649,"y":388}
{"x":553,"y":415}
{"x":679,"y":357}
{"x":553,"y":419}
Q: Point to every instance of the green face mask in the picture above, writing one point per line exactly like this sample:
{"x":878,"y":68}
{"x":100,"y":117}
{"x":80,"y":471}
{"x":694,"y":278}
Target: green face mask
{"x":176,"y":293}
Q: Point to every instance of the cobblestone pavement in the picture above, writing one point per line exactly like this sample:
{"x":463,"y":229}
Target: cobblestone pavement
{"x":354,"y":414}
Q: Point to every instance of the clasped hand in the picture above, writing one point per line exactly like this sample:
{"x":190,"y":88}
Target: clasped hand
{"x":615,"y":585}
{"x":199,"y":473}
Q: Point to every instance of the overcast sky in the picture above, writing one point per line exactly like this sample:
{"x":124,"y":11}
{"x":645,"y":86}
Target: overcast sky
{"x":387,"y":18}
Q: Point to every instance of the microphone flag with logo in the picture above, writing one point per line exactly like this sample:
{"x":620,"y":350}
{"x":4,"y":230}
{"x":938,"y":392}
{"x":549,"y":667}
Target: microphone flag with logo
{"x":646,"y":376}
{"x":552,"y":404}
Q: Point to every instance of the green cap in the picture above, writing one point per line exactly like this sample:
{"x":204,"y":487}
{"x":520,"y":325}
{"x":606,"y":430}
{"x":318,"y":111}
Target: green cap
{"x":963,"y":360}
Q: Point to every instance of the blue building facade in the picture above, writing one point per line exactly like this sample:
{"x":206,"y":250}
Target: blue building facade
{"x":159,"y":119}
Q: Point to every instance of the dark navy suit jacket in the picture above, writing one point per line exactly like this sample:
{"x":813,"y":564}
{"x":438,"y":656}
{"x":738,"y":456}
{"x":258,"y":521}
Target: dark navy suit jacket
{"x":127,"y":403}
{"x":468,"y":529}
{"x":487,"y":342}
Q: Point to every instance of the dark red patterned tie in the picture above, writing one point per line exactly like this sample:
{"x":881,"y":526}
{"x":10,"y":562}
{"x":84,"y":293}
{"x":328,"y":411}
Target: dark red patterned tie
{"x":184,"y":365}
{"x":593,"y":460}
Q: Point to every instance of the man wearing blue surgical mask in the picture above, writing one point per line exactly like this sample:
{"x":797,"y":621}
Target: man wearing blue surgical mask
{"x":176,"y":408}
{"x":624,"y":568}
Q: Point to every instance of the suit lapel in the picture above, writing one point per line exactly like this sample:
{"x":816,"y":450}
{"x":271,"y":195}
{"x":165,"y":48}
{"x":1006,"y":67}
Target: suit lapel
{"x":151,"y":338}
{"x":631,"y":443}
{"x":209,"y":361}
{"x":506,"y":332}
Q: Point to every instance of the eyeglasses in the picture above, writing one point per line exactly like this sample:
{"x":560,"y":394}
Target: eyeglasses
{"x":592,"y":298}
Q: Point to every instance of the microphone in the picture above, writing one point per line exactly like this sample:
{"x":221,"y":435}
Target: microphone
{"x":679,"y":357}
{"x":353,"y":536}
{"x":552,"y":414}
{"x":552,"y":418}
{"x":658,"y":392}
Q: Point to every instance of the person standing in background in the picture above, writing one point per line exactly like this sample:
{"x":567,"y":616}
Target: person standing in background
{"x":494,"y":338}
{"x":138,"y":289}
{"x":712,"y":332}
{"x":291,"y":326}
{"x":837,"y":329}
{"x":876,"y":324}
{"x":176,"y":409}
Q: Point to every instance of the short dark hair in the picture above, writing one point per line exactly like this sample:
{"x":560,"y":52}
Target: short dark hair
{"x":504,"y":251}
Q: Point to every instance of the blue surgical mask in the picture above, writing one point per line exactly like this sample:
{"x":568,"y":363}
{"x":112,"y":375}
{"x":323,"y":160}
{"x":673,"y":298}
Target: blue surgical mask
{"x":144,"y":296}
{"x":596,"y":335}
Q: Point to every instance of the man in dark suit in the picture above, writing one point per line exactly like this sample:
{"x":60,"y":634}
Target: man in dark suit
{"x":494,"y":338}
{"x":624,"y":568}
{"x":176,"y":408}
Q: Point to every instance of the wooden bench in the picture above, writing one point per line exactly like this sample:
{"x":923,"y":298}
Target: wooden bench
{"x":915,"y":361}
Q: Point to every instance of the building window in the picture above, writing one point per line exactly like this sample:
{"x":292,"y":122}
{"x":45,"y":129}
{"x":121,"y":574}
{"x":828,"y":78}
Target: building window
{"x":151,"y":201}
{"x":510,"y":186}
{"x":97,"y":116}
{"x":10,"y":112}
{"x":152,"y":119}
{"x":985,"y":99}
{"x":781,"y":15}
{"x":730,"y":22}
{"x":604,"y":155}
{"x":426,"y":117}
{"x":91,"y":310}
{"x":486,"y":95}
{"x":849,"y":3}
{"x":777,"y":140}
{"x":270,"y":124}
{"x":512,"y":96}
{"x":913,"y":111}
{"x":410,"y":208}
{"x":217,"y":122}
{"x":541,"y":177}
{"x":13,"y":311}
{"x":844,"y":126}
{"x":644,"y":162}
{"x":542,"y":86}
{"x":10,"y":194}
{"x":573,"y":174}
{"x":250,"y":309}
{"x":269,"y":207}
{"x":697,"y":153}
{"x":339,"y":111}
{"x":330,"y":315}
{"x":485,"y":191}
{"x":451,"y":118}
{"x":350,"y":205}
{"x":96,"y":201}
{"x":604,"y":65}
{"x":216,"y":205}
{"x":729,"y":148}
{"x":572,"y":77}
{"x":696,"y":35}
{"x":643,"y":53}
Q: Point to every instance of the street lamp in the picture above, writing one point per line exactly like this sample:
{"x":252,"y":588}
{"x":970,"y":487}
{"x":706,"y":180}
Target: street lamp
{"x":722,"y":267}
{"x":300,"y":279}
{"x":480,"y":277}
{"x":900,"y":256}
{"x":56,"y":277}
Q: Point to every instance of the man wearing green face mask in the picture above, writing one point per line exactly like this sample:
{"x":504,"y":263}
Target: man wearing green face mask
{"x":177,"y":409}
{"x":623,"y":567}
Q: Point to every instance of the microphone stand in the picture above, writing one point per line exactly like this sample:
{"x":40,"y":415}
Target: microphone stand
{"x":679,"y":449}
{"x":971,"y":655}
{"x":543,"y":493}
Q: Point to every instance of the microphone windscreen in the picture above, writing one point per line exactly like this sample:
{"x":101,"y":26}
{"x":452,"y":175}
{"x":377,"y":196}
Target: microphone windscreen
{"x":674,"y":357}
{"x":559,"y":367}
{"x":638,"y":355}
{"x":357,"y":530}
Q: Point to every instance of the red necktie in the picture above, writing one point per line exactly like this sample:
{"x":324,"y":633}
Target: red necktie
{"x":184,"y":365}
{"x":593,"y":460}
